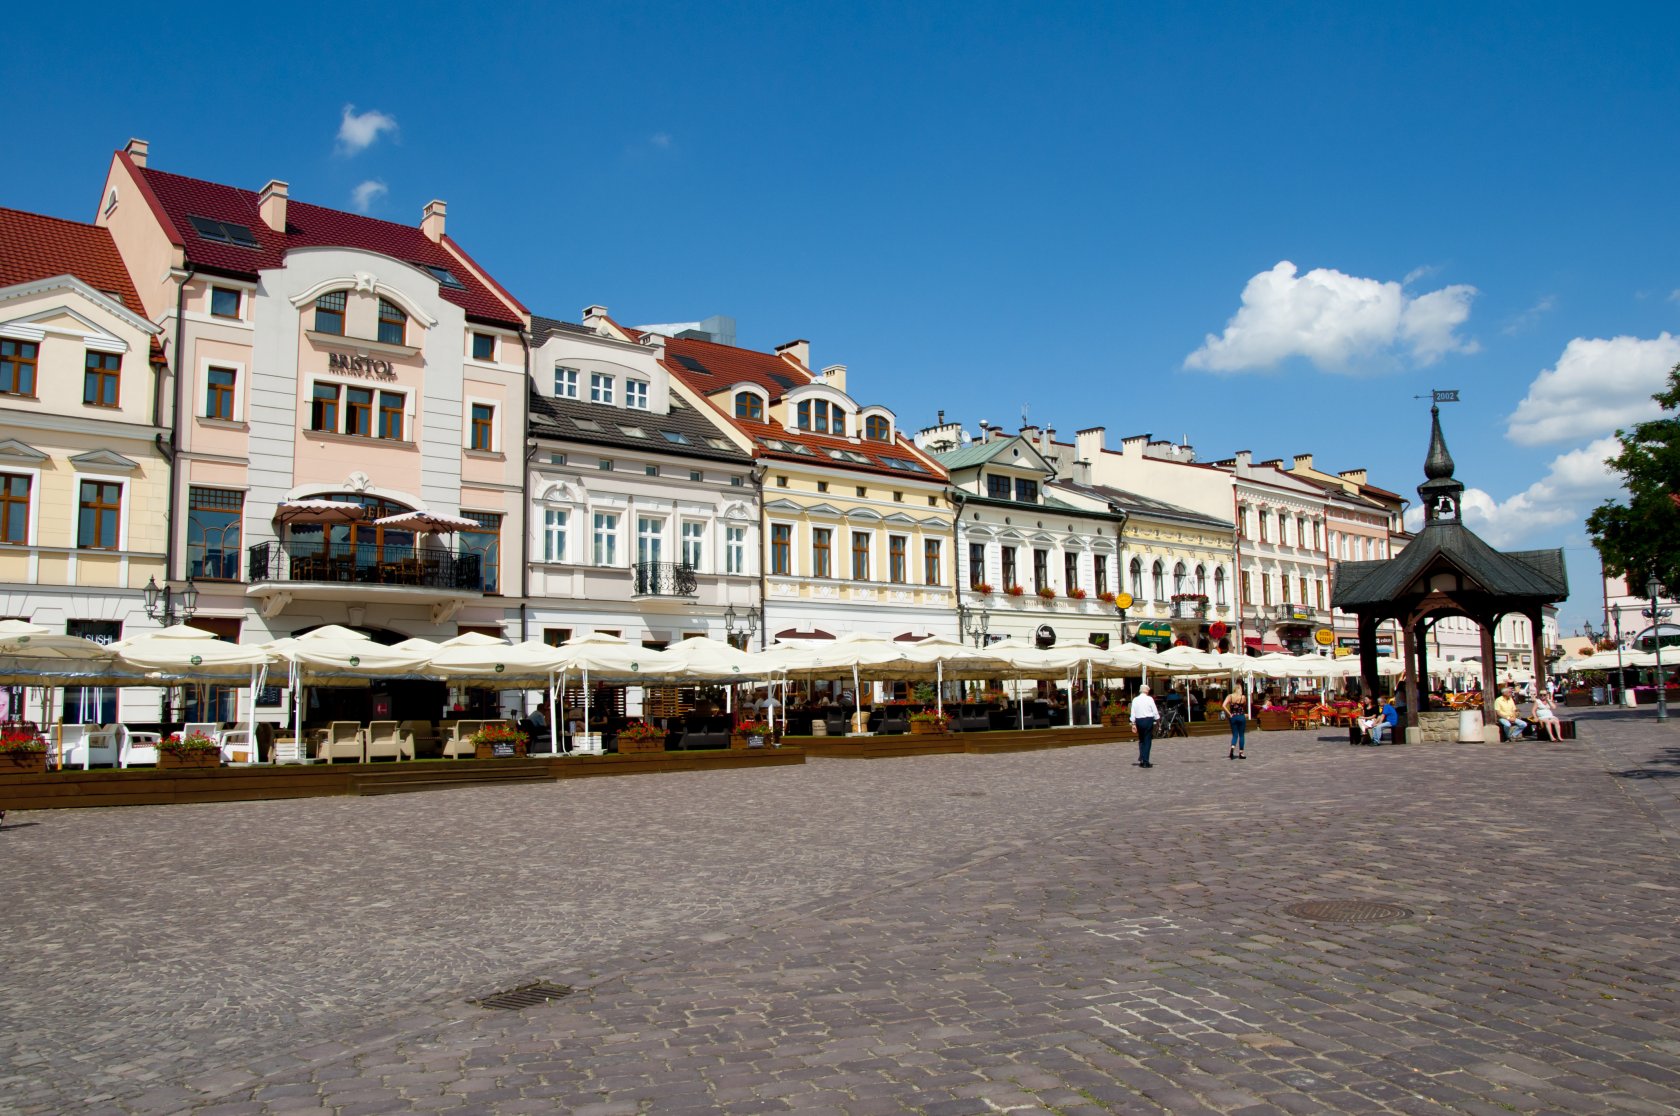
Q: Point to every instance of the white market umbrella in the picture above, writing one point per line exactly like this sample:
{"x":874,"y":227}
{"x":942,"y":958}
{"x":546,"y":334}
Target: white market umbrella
{"x":608,"y":658}
{"x":318,"y":511}
{"x":428,"y":522}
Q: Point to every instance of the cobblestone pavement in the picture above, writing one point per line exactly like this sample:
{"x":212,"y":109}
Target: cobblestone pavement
{"x":1040,"y":932}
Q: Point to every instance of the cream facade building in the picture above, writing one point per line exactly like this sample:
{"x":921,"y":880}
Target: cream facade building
{"x":84,"y":481}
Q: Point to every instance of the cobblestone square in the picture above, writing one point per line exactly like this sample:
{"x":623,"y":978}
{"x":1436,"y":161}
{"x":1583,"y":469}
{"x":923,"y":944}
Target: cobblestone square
{"x":1053,"y":931}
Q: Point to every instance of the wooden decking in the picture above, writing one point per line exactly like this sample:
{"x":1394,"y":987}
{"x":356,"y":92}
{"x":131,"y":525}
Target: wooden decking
{"x":74,"y":789}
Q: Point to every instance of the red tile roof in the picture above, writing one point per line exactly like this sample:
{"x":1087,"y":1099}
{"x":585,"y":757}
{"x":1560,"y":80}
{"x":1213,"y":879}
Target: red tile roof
{"x":177,"y":197}
{"x":710,"y":368}
{"x":35,"y":247}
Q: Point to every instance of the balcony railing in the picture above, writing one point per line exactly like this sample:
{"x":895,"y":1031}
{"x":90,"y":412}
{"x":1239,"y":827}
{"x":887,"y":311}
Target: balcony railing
{"x":422,"y":567}
{"x":664,"y":579}
{"x":1189,"y":610}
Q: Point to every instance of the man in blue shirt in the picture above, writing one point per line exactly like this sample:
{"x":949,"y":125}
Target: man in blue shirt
{"x":1386,"y":724}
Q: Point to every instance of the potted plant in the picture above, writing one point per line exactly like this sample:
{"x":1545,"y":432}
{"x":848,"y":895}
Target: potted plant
{"x":929,"y":723}
{"x":496,"y":740}
{"x":981,"y":587}
{"x":924,"y":693}
{"x":1272,"y":717}
{"x":192,"y":750}
{"x":639,"y":736}
{"x":22,"y":752}
{"x":1116,"y":714}
{"x":751,"y":734}
{"x":1076,"y":594}
{"x":1045,"y":593}
{"x":1107,"y":596}
{"x":1015,"y":591}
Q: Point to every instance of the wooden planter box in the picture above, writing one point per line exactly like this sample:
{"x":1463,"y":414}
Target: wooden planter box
{"x":1274,"y":722}
{"x":918,"y":728}
{"x":1118,"y":720}
{"x":1649,"y":697}
{"x":24,"y":763}
{"x":487,"y":751}
{"x":1578,"y":699}
{"x":656,"y":744}
{"x":183,"y":761}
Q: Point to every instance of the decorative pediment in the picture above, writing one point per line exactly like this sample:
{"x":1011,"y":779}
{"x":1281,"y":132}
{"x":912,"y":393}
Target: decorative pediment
{"x":14,"y":450}
{"x":828,"y":510}
{"x":937,"y":524}
{"x":900,"y":517}
{"x":864,"y":513}
{"x":783,"y":506}
{"x":736,"y":510}
{"x":107,"y":460}
{"x":562,"y":492}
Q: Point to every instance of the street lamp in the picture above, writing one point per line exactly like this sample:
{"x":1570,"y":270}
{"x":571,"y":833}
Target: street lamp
{"x":976,"y":623}
{"x":1654,"y":589}
{"x":162,"y":602}
{"x":738,"y":628}
{"x":1262,"y":621}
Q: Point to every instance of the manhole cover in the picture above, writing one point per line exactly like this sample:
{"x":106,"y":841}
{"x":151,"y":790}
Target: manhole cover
{"x":967,"y":794}
{"x":1346,"y":910}
{"x":530,"y":995}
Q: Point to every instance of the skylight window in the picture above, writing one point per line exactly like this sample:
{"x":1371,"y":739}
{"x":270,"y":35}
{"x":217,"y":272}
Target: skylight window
{"x":634,"y":431}
{"x":223,"y":232}
{"x":587,"y":424}
{"x":445,"y":277}
{"x":718,"y":443}
{"x":674,"y":438}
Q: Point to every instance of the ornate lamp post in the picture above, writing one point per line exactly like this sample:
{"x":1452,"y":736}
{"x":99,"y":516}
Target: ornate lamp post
{"x":1263,"y":622}
{"x":739,"y":629}
{"x":170,"y":605}
{"x":975,"y":623}
{"x":1654,"y":589}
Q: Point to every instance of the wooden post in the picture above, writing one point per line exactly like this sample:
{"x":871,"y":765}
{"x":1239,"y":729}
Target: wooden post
{"x":1539,"y":639}
{"x":1411,"y":675}
{"x":1423,"y":626}
{"x":1368,"y":653}
{"x":1490,"y":673}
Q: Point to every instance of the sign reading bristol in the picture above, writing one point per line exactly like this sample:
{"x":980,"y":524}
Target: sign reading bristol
{"x":350,"y":365}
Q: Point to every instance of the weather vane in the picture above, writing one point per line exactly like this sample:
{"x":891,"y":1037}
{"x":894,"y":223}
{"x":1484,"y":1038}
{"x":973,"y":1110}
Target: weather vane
{"x":1436,"y":395}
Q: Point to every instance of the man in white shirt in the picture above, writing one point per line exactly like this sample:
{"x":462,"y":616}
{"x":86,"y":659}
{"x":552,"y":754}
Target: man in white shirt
{"x":1144,"y":716}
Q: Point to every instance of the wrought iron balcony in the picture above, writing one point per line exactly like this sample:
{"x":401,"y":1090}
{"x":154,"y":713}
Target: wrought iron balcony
{"x":1190,"y":609}
{"x":664,"y":579}
{"x":423,"y":567}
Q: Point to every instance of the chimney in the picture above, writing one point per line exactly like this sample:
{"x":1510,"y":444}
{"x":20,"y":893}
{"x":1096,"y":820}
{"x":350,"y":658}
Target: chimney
{"x":1303,"y":463}
{"x":1134,"y":446}
{"x":1047,"y":442}
{"x":271,"y":205}
{"x":796,"y":350}
{"x":1029,"y":434}
{"x":1082,"y":472}
{"x":431,"y":220}
{"x":834,"y":375}
{"x":941,"y":421}
{"x":1243,"y":458}
{"x":136,"y":150}
{"x":1356,"y":476}
{"x":1088,"y":443}
{"x":595,"y":317}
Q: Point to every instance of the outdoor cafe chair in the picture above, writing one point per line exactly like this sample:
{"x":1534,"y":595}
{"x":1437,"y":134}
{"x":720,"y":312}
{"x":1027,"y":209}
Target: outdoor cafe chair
{"x":385,"y":740}
{"x":203,"y":728}
{"x":237,"y":742}
{"x":344,"y":741}
{"x":72,"y":743}
{"x":459,"y":745}
{"x":102,"y":745}
{"x":136,"y":747}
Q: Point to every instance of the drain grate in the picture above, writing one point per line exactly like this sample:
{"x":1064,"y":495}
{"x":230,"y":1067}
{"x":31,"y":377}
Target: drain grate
{"x":530,"y":995}
{"x":1346,"y":910}
{"x":965,"y":794}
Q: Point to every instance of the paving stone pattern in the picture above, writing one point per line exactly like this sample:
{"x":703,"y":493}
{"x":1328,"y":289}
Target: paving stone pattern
{"x":1033,"y":932}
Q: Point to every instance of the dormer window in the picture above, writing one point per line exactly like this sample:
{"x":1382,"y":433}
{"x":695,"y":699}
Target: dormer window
{"x":877,"y":429}
{"x":817,"y":416}
{"x":565,"y":382}
{"x":1026,"y":491}
{"x":997,"y":487}
{"x":636,"y":394}
{"x":393,"y":324}
{"x":600,"y":388}
{"x":749,"y":406}
{"x":329,"y":313}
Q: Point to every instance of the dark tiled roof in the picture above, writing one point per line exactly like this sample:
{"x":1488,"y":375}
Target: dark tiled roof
{"x":1145,"y":505}
{"x":34,"y":247}
{"x":307,"y":226}
{"x":1526,"y":575}
{"x":543,"y":328}
{"x":897,"y":459}
{"x":604,"y":426}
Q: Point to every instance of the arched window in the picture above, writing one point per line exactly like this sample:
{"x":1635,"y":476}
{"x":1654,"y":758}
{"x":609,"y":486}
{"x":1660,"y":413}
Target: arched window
{"x":393,"y":324}
{"x":877,"y":429}
{"x":1178,"y":578}
{"x":749,"y":406}
{"x":1201,"y":580}
{"x":1160,"y":579}
{"x":1219,"y":586}
{"x":1137,"y":578}
{"x":329,"y":313}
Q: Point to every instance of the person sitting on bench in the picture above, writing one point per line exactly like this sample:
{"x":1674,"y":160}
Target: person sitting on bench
{"x":1511,"y":726}
{"x":1387,"y":721}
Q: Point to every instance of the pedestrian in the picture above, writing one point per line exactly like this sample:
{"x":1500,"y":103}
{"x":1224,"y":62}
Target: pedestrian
{"x":1511,"y":726}
{"x":1236,"y":712}
{"x":1546,"y":718}
{"x":1144,"y":715}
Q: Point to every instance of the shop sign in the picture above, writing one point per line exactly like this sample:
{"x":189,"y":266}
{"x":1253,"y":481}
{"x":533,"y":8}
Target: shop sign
{"x":1324,"y":637}
{"x":1045,"y":636}
{"x":1099,"y":639}
{"x":371,"y":368}
{"x":1154,"y":635}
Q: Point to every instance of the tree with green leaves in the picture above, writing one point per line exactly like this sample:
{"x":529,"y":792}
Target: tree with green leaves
{"x":1642,"y":536}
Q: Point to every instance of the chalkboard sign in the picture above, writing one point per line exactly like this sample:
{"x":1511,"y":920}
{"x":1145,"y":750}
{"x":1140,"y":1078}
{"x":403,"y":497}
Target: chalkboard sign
{"x":500,"y":748}
{"x":269,"y":695}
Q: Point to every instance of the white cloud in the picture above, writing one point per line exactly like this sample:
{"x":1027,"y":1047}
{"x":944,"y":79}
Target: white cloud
{"x":358,"y":131}
{"x":1598,"y":385}
{"x":1339,"y":322}
{"x":1533,"y":314}
{"x":1574,"y":484}
{"x":364,"y":195}
{"x":660,"y":139}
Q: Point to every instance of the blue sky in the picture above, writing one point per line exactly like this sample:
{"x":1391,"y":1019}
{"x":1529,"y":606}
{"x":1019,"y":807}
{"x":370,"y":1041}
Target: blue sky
{"x":1258,"y":227}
